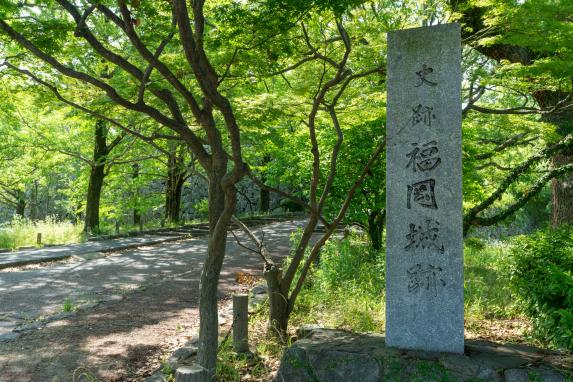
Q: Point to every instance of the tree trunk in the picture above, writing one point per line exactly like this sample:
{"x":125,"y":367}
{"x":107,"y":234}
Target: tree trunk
{"x":264,"y":201}
{"x":136,"y":212}
{"x":34,"y":202}
{"x":173,"y":189}
{"x":376,"y":227}
{"x":95,"y":186}
{"x":562,"y":192}
{"x":278,"y":303}
{"x":20,"y":203}
{"x":561,"y":188}
{"x":97,"y":175}
{"x":221,"y":207}
{"x":264,"y":195}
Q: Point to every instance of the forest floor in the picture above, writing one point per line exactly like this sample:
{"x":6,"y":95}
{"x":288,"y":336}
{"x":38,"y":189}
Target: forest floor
{"x":118,"y":315}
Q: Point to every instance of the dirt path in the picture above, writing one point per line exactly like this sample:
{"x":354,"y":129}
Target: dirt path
{"x":124,"y":338}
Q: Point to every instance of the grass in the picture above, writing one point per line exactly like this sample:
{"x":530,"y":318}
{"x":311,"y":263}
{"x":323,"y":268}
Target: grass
{"x":68,"y":305}
{"x":23,"y":233}
{"x":346,"y":289}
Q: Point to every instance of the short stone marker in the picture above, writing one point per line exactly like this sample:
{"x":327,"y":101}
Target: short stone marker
{"x":194,"y":373}
{"x":424,"y":244}
{"x":241,"y":323}
{"x":39,"y":238}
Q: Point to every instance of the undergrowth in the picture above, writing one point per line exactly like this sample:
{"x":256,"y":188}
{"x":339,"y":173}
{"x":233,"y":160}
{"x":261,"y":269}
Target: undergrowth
{"x":23,"y":232}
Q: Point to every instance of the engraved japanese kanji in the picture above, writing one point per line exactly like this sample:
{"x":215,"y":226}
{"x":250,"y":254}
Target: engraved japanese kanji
{"x":425,"y":277}
{"x":425,"y":236}
{"x":422,"y":74}
{"x":423,"y":194}
{"x":422,"y":114}
{"x":424,"y":157}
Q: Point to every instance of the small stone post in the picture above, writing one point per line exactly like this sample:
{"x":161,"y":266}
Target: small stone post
{"x":194,"y":373}
{"x":241,"y":323}
{"x":39,"y":238}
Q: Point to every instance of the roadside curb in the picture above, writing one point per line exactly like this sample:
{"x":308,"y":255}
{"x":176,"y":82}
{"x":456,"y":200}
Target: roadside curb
{"x":47,"y":259}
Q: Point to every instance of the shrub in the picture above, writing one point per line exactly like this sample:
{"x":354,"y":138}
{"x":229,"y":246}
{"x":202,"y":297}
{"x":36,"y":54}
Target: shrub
{"x":541,"y":271}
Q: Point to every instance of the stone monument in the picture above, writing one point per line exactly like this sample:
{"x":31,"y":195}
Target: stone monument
{"x":424,"y":250}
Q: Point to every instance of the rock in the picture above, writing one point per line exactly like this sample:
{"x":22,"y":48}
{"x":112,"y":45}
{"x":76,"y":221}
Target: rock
{"x":194,"y":373}
{"x":533,"y":374}
{"x":259,"y":289}
{"x":333,"y":356}
{"x":307,"y":330}
{"x":326,"y":355}
{"x":27,"y":327}
{"x":257,"y":299}
{"x":158,"y":376}
{"x":9,"y":336}
{"x":179,"y":356}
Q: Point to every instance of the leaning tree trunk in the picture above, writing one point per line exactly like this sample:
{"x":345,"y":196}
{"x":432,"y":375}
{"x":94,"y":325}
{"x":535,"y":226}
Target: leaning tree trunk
{"x":221,"y":207}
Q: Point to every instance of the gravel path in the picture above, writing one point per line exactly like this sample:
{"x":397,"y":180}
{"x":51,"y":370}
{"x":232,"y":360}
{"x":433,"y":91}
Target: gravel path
{"x":146,"y":296}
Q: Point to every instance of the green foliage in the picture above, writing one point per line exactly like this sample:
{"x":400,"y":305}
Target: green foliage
{"x":542,"y":274}
{"x":68,"y":305}
{"x":231,"y":367}
{"x":346,"y":288}
{"x":486,"y":287}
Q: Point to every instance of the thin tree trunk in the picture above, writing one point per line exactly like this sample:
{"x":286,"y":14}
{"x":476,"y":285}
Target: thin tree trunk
{"x":221,"y":207}
{"x":264,"y":195}
{"x":136,"y":212}
{"x":173,"y":189}
{"x":34,"y":202}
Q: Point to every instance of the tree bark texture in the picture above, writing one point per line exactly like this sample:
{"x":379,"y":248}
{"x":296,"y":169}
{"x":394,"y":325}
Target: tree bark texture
{"x":278,"y":302}
{"x":375,"y":227}
{"x":174,"y":188}
{"x":136,"y":212}
{"x":562,"y":187}
{"x":20,"y":203}
{"x":221,"y":207}
{"x":97,"y":175}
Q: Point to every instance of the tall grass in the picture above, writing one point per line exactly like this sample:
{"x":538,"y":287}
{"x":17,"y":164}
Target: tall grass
{"x":488,"y":291}
{"x":23,"y":232}
{"x":347,"y":287}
